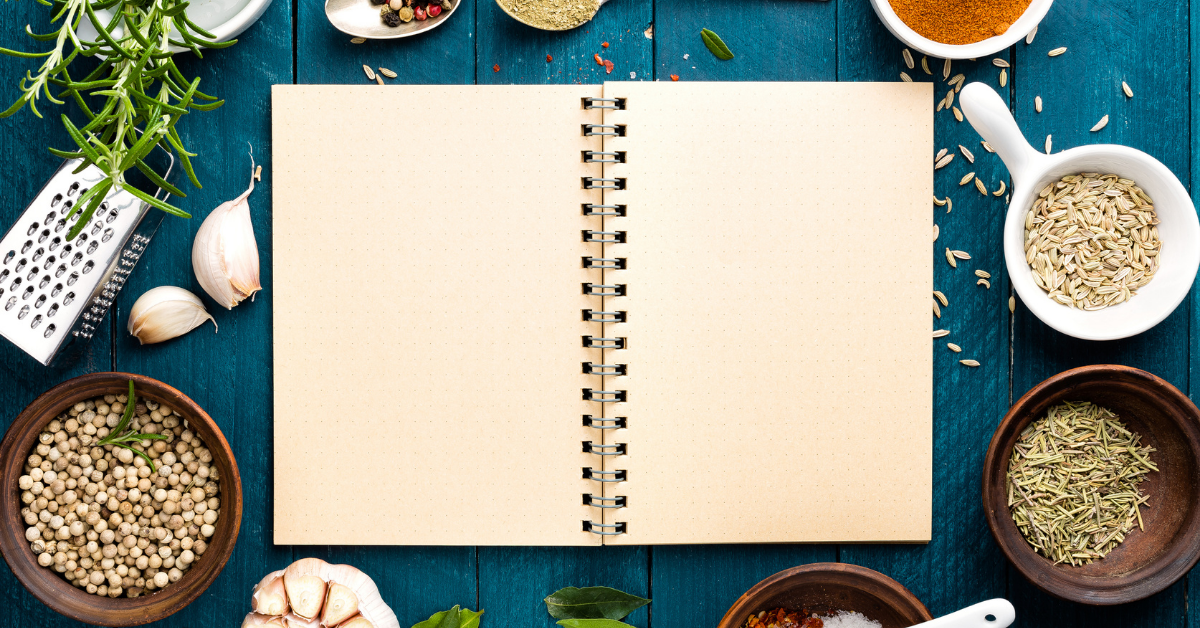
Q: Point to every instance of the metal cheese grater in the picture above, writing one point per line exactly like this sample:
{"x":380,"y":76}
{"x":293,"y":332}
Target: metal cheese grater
{"x":54,"y":293}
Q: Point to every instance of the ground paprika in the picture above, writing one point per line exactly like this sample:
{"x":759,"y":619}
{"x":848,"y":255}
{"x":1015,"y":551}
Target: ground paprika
{"x":959,"y":22}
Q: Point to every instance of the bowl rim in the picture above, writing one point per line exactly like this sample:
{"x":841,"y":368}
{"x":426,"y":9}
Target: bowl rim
{"x":1029,"y":20}
{"x":50,"y":588}
{"x":732,"y":617}
{"x":995,"y":503}
{"x":1059,"y":316}
{"x":241,"y":21}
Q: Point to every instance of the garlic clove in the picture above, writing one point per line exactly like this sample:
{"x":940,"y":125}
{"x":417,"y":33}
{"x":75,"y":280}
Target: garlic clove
{"x":164,"y":313}
{"x":225,"y":253}
{"x":340,"y":604}
{"x":305,"y":587}
{"x":370,"y":603}
{"x":255,"y":620}
{"x":358,"y":621}
{"x":293,"y":621}
{"x":269,"y":596}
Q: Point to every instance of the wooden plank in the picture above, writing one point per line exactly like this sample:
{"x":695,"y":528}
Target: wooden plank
{"x":1077,"y":89}
{"x":771,"y":41}
{"x":512,"y":53}
{"x":786,"y":41}
{"x":445,"y":55}
{"x":694,"y":585}
{"x":27,"y":166}
{"x":513,"y":581}
{"x":227,"y":372}
{"x":961,"y":565}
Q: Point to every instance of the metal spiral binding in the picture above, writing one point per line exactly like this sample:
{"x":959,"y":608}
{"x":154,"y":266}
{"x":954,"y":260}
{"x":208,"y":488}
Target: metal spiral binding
{"x":615,"y":210}
{"x":614,"y":103}
{"x":608,"y":315}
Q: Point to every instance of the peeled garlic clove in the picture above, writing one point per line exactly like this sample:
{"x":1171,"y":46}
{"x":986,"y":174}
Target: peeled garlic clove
{"x":340,"y":604}
{"x":225,"y":253}
{"x":305,"y":587}
{"x":358,"y":621}
{"x":269,"y":596}
{"x":164,"y":313}
{"x":255,"y":620}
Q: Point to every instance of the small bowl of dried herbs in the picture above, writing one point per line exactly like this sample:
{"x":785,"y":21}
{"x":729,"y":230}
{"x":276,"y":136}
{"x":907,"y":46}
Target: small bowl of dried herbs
{"x":965,"y":29}
{"x":1090,"y":485}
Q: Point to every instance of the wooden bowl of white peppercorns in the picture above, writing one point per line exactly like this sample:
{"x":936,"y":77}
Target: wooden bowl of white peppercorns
{"x":206,"y":554}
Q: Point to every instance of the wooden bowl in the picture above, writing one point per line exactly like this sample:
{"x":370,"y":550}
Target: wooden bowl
{"x":48,"y":585}
{"x":830,"y":587}
{"x":1147,"y":561}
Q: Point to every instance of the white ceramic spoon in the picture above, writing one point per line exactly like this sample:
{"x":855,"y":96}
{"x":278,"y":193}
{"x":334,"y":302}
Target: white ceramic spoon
{"x":1032,"y":170}
{"x":997,"y":613}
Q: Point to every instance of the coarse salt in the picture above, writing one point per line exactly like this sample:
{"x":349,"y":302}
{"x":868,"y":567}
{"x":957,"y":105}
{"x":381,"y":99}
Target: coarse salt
{"x":849,"y":619}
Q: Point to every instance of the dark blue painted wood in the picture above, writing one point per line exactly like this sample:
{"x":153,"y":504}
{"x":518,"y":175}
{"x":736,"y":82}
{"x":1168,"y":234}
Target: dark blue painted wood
{"x":967,"y":401}
{"x":1077,"y":89}
{"x":229,"y":373}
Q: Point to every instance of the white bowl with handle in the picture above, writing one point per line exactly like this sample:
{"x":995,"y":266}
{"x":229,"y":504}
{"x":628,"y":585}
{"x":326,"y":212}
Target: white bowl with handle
{"x":225,"y":19}
{"x":1017,"y":31}
{"x":1179,"y":229}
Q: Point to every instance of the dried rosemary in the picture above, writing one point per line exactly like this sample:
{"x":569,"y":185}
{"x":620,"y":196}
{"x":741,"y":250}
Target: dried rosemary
{"x":1073,"y":482}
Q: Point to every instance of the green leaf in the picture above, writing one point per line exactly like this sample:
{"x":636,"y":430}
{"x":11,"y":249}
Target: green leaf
{"x":454,"y":618}
{"x":593,"y":623}
{"x":592,"y":603}
{"x":715,"y":45}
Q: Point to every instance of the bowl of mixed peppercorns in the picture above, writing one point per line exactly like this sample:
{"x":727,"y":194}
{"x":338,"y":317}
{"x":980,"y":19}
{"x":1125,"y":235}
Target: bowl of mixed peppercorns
{"x":388,"y":19}
{"x":121,"y":499}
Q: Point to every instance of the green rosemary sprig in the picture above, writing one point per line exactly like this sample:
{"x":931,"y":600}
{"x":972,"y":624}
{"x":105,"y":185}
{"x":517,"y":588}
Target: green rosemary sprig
{"x":138,"y":90}
{"x":119,"y":437}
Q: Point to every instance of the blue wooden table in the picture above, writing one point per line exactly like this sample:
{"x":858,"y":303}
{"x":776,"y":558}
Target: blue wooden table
{"x":1147,"y":43}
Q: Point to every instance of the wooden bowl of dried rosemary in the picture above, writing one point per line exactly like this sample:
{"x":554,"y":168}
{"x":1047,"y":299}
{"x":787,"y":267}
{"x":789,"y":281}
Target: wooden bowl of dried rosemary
{"x":1091,"y":484}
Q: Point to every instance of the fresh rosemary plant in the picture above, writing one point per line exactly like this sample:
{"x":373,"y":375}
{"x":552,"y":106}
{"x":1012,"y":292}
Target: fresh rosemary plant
{"x":137,"y":91}
{"x":120,"y":437}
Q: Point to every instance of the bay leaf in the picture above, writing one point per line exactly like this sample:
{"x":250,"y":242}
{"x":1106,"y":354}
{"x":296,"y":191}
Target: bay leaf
{"x":453,"y":618}
{"x":592,"y":603}
{"x":593,"y":623}
{"x":714,"y":44}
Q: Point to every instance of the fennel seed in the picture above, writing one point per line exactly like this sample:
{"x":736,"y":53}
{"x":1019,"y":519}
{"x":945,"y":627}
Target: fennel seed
{"x":953,"y":347}
{"x":983,"y":273}
{"x":937,"y":294}
{"x":1101,"y":124}
{"x":971,"y":363}
{"x":1000,"y":63}
{"x":1125,"y":88}
{"x":1003,"y":78}
{"x":905,"y":77}
{"x":369,"y":72}
{"x":958,"y":115}
{"x":966,"y":179}
{"x":950,"y":259}
{"x":941,"y":333}
{"x":980,"y":186}
{"x":908,"y":58}
{"x":388,"y":73}
{"x":985,"y":283}
{"x":970,"y":157}
{"x":1030,"y":36}
{"x":1057,"y":51}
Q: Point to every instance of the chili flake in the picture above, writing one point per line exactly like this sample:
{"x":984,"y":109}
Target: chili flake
{"x":599,"y":61}
{"x":608,"y":67}
{"x":496,"y":68}
{"x":549,"y":58}
{"x":780,"y":618}
{"x":674,"y":77}
{"x":604,"y":45}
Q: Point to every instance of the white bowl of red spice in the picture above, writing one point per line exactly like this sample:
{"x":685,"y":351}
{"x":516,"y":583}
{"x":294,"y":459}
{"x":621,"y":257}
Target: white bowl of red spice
{"x":964,"y":29}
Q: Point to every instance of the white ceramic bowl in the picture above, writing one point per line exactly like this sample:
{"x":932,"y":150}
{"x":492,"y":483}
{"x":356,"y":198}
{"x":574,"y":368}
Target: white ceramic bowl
{"x":224,"y":18}
{"x":1031,"y":171}
{"x":1031,"y":18}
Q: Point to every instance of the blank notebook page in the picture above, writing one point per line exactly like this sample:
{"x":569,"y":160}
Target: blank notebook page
{"x":779,"y":277}
{"x":427,"y":284}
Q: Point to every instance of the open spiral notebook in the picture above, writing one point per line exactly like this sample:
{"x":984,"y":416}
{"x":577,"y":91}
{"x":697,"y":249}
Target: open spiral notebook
{"x":631,"y":313}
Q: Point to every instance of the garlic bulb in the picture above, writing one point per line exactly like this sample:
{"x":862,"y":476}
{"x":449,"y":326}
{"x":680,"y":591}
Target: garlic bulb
{"x":164,"y":313}
{"x":311,"y":593}
{"x":225,"y":253}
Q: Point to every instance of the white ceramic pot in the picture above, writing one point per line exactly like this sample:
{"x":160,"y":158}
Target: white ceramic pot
{"x":226,"y":19}
{"x":1031,"y":18}
{"x":1031,"y":170}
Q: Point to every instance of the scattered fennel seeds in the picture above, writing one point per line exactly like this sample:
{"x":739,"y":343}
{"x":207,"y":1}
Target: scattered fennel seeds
{"x":908,"y":58}
{"x":958,"y":114}
{"x":983,"y":273}
{"x":939,"y":202}
{"x":388,"y":73}
{"x":946,"y":70}
{"x":1049,"y":144}
{"x":971,"y":363}
{"x":1003,"y":78}
{"x":968,"y":155}
{"x":1030,"y":36}
{"x":936,"y":230}
{"x":1000,"y":190}
{"x":953,"y":347}
{"x":950,"y":259}
{"x":1000,"y":63}
{"x":1125,"y":88}
{"x":961,"y":254}
{"x":1037,"y":104}
{"x":1057,"y":51}
{"x":905,"y":77}
{"x":1092,"y":240}
{"x":987,"y":147}
{"x":1073,"y":482}
{"x":937,"y":311}
{"x":369,"y":72}
{"x":941,"y":333}
{"x":1012,"y":305}
{"x":940,"y":154}
{"x":967,"y":178}
{"x":985,"y":283}
{"x":1101,"y":124}
{"x":941,"y":163}
{"x":925,"y":65}
{"x":937,"y":294}
{"x":979,"y":186}
{"x":358,"y":40}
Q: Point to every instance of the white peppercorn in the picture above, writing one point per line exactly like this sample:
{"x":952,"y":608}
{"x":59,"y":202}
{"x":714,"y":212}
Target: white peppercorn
{"x":112,"y":522}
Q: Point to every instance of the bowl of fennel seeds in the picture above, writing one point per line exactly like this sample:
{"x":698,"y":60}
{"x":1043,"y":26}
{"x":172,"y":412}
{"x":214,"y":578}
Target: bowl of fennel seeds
{"x":1091,"y":485}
